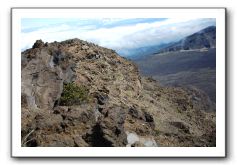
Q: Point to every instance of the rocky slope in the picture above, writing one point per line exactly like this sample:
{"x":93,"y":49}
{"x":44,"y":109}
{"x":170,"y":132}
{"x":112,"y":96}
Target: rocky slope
{"x":203,"y":39}
{"x":78,"y":94}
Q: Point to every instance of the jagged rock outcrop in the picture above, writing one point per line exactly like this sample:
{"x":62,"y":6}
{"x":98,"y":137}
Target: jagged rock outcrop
{"x":77,"y":94}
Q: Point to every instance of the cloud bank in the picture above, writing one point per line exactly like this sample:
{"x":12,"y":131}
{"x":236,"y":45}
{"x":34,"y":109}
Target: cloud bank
{"x":117,"y":34}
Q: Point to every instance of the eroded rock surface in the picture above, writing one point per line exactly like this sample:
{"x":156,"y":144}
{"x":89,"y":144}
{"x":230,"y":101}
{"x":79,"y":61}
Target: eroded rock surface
{"x":112,"y":105}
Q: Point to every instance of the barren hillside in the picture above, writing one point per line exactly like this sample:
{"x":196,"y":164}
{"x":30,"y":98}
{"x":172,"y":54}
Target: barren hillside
{"x":77,"y":94}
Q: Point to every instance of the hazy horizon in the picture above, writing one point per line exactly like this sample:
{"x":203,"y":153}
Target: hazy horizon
{"x":114,"y":33}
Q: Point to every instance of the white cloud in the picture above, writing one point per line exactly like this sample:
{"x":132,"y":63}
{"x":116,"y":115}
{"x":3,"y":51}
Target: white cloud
{"x":120,"y":37}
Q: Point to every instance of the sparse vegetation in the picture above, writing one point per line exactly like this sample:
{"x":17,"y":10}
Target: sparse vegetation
{"x":157,"y":132}
{"x":26,"y":139}
{"x":74,"y":94}
{"x":108,"y":102}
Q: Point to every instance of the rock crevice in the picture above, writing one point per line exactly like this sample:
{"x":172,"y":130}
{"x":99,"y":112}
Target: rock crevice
{"x":106,"y":103}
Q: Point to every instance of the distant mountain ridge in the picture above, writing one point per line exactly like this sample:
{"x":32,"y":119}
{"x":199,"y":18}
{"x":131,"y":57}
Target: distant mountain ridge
{"x":205,"y":38}
{"x":190,"y":62}
{"x":141,"y":52}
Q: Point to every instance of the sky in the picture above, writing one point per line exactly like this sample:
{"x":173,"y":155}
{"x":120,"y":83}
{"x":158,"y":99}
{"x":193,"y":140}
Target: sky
{"x":114,"y":33}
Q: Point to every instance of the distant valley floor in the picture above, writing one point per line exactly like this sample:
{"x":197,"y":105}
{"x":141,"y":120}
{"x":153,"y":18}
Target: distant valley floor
{"x":192,"y":69}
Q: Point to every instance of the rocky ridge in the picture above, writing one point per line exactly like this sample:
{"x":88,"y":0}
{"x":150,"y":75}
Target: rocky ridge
{"x":201,"y":40}
{"x":109,"y":103}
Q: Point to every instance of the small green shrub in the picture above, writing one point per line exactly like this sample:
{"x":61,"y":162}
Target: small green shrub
{"x":157,"y":132}
{"x":73,"y":94}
